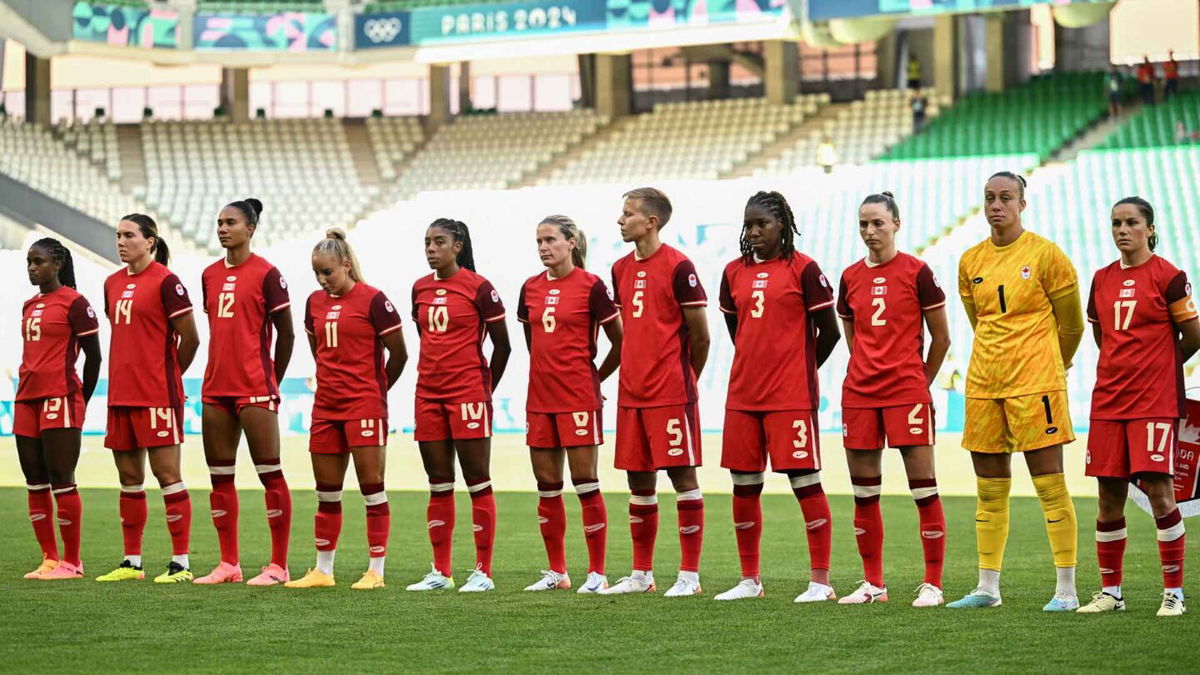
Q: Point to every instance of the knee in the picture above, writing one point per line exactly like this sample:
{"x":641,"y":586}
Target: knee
{"x":62,"y":477}
{"x":683,"y":479}
{"x":166,"y":476}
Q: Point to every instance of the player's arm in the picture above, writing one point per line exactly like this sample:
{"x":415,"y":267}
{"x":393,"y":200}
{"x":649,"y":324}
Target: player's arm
{"x":285,"y":340}
{"x":528,"y":336}
{"x":91,"y":364}
{"x":397,"y":355}
{"x":731,"y":325}
{"x":189,"y":339}
{"x":845,"y":313}
{"x":312,"y":345}
{"x":1184,"y":315}
{"x":848,"y":331}
{"x":825,"y":321}
{"x":821,"y":303}
{"x":1068,"y":312}
{"x":698,"y":338}
{"x":939,"y":341}
{"x":615,"y":332}
{"x":1189,"y":339}
{"x":728,"y":308}
{"x":501,"y":349}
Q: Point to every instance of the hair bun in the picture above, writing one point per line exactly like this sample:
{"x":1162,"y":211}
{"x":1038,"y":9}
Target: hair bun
{"x":254,"y":204}
{"x":888,"y":194}
{"x":335,"y":233}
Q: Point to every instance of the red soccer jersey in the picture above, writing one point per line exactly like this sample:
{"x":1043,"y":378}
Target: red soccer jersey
{"x":886,"y":304}
{"x":239,"y":302}
{"x":349,"y":330}
{"x":656,"y":355}
{"x":564,"y":317}
{"x":51,"y":326}
{"x":1140,"y":371}
{"x":143,"y":358}
{"x":451,"y":315}
{"x":774,"y":351}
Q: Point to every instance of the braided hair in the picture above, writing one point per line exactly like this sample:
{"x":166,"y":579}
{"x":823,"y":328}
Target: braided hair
{"x":62,"y":256}
{"x":776,"y":204}
{"x":1147,"y":212}
{"x":458,"y":230}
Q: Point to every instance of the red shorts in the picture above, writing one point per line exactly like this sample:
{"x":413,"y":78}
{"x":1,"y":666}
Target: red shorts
{"x":131,"y":428}
{"x":1125,"y":448}
{"x":234,"y":405}
{"x":441,"y":421}
{"x":333,"y":437}
{"x":649,"y":439}
{"x":32,"y":417}
{"x":901,"y":426}
{"x":563,"y":430}
{"x":789,"y":437}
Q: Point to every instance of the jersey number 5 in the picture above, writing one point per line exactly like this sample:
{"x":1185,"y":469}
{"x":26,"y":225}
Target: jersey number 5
{"x":638,"y":305}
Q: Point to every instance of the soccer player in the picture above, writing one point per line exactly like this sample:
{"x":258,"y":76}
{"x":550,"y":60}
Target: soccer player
{"x":658,"y":422}
{"x":1022,"y":298}
{"x":778,"y":307}
{"x":454,"y":309}
{"x":51,"y":400}
{"x":562,"y":310}
{"x":882,"y":300}
{"x":245,"y":297}
{"x":153,"y":342}
{"x":1144,"y":322}
{"x":349,"y":325}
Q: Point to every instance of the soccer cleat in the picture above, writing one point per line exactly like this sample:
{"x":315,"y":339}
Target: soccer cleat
{"x":271,"y":575}
{"x":312,"y":579}
{"x":748,"y":588}
{"x":638,"y":582}
{"x":595,"y":583}
{"x":550,"y":581}
{"x":928,"y":595}
{"x":46,"y":566}
{"x":976,"y":599}
{"x":369,"y":581}
{"x":175,"y":574}
{"x":816,"y":593}
{"x":1102,"y":602}
{"x":125,"y":572}
{"x":1172,"y":605}
{"x":1062,"y":602}
{"x":434,"y":581}
{"x":687,"y":583}
{"x":478,"y":582}
{"x":63,"y":570}
{"x":221,"y":574}
{"x":865,"y":594}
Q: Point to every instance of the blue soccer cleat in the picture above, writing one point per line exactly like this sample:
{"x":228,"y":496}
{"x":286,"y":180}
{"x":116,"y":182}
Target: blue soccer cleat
{"x":976,"y":599}
{"x":1062,"y":602}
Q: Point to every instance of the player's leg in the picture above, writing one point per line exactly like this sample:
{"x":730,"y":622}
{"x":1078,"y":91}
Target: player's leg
{"x":261,"y":426}
{"x":744,"y":453}
{"x":552,"y":515}
{"x":866,"y":478}
{"x":584,"y":463}
{"x":131,"y":473}
{"x":60,"y":448}
{"x":165,"y":464}
{"x":1108,"y":462}
{"x":369,"y":465}
{"x":633,"y":456}
{"x":438,"y":459}
{"x":330,"y":457}
{"x":1046,"y":470}
{"x":922,"y":483}
{"x":985,"y":435}
{"x":1160,"y":489}
{"x":221,"y":433}
{"x":474,"y":456}
{"x":41,"y":503}
{"x":689,"y":503}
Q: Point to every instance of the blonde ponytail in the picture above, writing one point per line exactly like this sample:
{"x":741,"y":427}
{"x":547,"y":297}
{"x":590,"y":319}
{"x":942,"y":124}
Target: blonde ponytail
{"x":571,"y":232}
{"x":335,"y":244}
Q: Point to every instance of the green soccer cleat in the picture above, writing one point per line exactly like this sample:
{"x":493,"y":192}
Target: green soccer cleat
{"x":175,"y":574}
{"x":125,"y":572}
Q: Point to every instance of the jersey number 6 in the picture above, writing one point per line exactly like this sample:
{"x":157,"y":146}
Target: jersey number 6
{"x":548,"y":320}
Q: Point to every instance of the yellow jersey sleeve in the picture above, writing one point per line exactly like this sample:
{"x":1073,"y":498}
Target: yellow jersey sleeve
{"x":1056,"y":272}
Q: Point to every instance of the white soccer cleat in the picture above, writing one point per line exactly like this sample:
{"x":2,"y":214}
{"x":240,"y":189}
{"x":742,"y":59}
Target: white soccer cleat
{"x":1102,"y":602}
{"x":595,"y":583}
{"x":434,"y":581}
{"x":817,"y":593}
{"x":687,"y":583}
{"x":748,"y":588}
{"x":638,"y":582}
{"x":1172,"y":605}
{"x":478,"y":582}
{"x":928,"y":595}
{"x":550,"y":581}
{"x":865,"y":594}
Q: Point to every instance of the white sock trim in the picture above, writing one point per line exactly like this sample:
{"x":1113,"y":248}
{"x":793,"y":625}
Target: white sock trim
{"x":1115,"y":535}
{"x":35,"y":488}
{"x":643,"y":500}
{"x":584,"y":488}
{"x":68,"y":488}
{"x":173,"y":488}
{"x":479,"y":486}
{"x":221,"y":470}
{"x":689,"y":496}
{"x":549,"y":494}
{"x":1171,"y":533}
{"x":747,"y":478}
{"x":329,"y":495}
{"x":923,"y":492}
{"x":133,"y":489}
{"x":268,"y":468}
{"x":806,"y":480}
{"x":375,"y":498}
{"x":865,"y":491}
{"x":441,"y":487}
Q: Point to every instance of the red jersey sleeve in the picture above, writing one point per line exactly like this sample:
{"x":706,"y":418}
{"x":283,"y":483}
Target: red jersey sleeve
{"x":1091,"y":305}
{"x":599,"y":303}
{"x":414,"y":309}
{"x":726,"y":296}
{"x":308,"y":317}
{"x":275,"y":291}
{"x":522,"y":308}
{"x":175,"y":298}
{"x":487,"y":300}
{"x":817,"y":293}
{"x":384,"y":317}
{"x":616,"y":288}
{"x":688,"y":291}
{"x":1179,"y":299}
{"x":929,"y":292}
{"x":82,"y":318}
{"x":844,"y":309}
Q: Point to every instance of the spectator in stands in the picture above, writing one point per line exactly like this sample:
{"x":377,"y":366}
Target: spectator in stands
{"x":1183,"y":134}
{"x":919,"y":104}
{"x":1145,"y":78}
{"x":1114,"y":84}
{"x":1171,"y":75}
{"x":827,"y":154}
{"x":914,"y":72}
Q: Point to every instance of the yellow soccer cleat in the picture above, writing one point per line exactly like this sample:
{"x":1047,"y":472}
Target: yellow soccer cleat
{"x":312,"y":579}
{"x":175,"y":574}
{"x":369,"y":581}
{"x":126,"y":572}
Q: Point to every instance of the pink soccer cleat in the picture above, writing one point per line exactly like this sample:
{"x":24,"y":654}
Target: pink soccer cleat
{"x":48,"y":564}
{"x":221,"y":574}
{"x":64,"y":570}
{"x":271,"y":575}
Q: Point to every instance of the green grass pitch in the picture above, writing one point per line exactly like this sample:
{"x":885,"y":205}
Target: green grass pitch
{"x":142,"y":627}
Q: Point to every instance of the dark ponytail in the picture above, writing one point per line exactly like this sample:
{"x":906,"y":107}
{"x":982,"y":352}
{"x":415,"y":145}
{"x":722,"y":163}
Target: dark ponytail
{"x":149,"y":228}
{"x":887,"y":199}
{"x":251,"y":208}
{"x":458,"y":230}
{"x":1147,"y":212}
{"x":61,"y":255}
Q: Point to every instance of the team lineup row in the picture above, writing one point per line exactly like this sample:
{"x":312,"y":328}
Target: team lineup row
{"x":1020,"y":293}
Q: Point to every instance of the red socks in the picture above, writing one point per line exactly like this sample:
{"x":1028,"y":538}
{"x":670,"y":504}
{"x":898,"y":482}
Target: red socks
{"x":747,"y":520}
{"x":817,"y":522}
{"x":1171,"y":548}
{"x":595,"y":522}
{"x":379,"y":518}
{"x":440,"y":517}
{"x":868,"y":527}
{"x":643,"y":527}
{"x":41,"y":512}
{"x":224,"y":503}
{"x":327,"y":526}
{"x":179,"y":516}
{"x":552,"y":516}
{"x":70,"y":521}
{"x":279,"y":508}
{"x":483,"y":520}
{"x":690,"y":505}
{"x":133,"y":517}
{"x":1110,"y":550}
{"x":933,"y":527}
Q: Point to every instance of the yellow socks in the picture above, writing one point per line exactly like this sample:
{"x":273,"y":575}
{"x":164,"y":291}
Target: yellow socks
{"x":1061,"y":525}
{"x":991,"y":521}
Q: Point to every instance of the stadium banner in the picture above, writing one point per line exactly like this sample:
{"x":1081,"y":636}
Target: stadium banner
{"x":1187,"y":463}
{"x":823,"y":10}
{"x":385,"y":29}
{"x":282,"y":32}
{"x":124,"y":25}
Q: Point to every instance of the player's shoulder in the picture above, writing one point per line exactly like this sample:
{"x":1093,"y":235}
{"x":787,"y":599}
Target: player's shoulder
{"x":317,"y":297}
{"x":369,"y":292}
{"x":216,"y":267}
{"x":673,"y":256}
{"x":977,"y":252}
{"x":424,"y":282}
{"x":37,"y":297}
{"x":537,"y":279}
{"x":1044,"y":246}
{"x":1163,"y":268}
{"x":116,"y":277}
{"x":1102,"y":274}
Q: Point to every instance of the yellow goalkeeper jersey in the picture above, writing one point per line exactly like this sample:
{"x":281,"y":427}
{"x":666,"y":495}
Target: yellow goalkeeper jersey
{"x":1016,"y":350}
